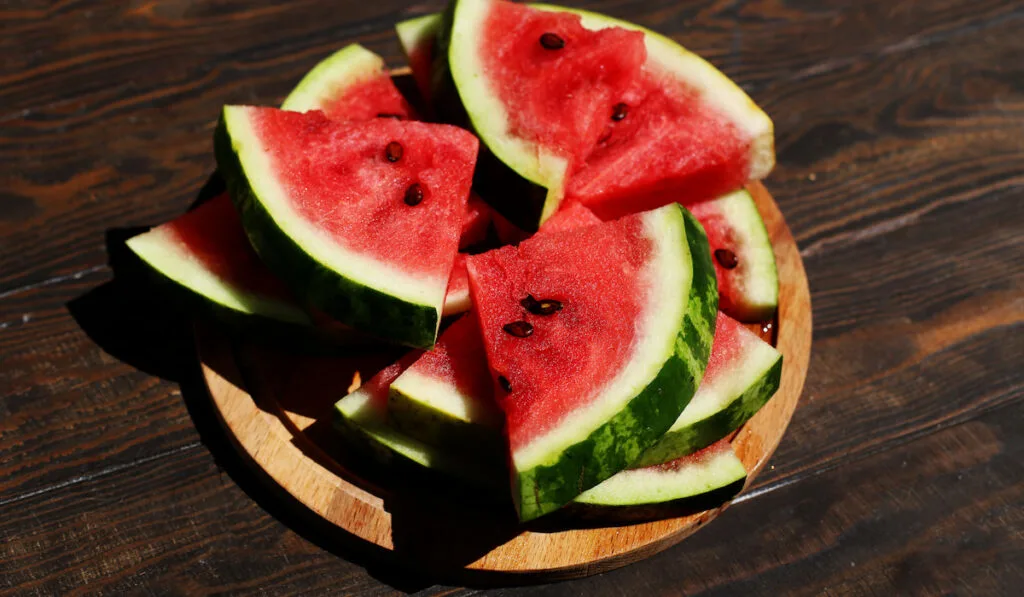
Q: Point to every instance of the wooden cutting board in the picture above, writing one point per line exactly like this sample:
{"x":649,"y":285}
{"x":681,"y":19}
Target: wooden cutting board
{"x":280,"y":419}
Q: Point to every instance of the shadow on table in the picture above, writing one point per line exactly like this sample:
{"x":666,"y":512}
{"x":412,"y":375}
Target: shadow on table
{"x":433,"y":539}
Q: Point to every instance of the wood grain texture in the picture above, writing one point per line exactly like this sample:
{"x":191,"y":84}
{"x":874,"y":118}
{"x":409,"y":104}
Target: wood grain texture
{"x":899,"y":128}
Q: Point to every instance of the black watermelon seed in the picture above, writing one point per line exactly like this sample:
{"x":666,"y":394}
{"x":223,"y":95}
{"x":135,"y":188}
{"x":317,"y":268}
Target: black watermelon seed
{"x":414,"y":194}
{"x":519,"y":329}
{"x":552,"y":41}
{"x":504,"y":383}
{"x":393,"y":152}
{"x":541,"y":307}
{"x":389,"y":115}
{"x":726,"y":258}
{"x":619,"y":112}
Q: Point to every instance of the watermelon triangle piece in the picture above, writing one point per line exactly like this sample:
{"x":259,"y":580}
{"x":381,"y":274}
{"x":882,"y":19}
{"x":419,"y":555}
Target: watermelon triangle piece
{"x":361,"y":220}
{"x":748,"y":281}
{"x":588,"y":107}
{"x":592,"y":382}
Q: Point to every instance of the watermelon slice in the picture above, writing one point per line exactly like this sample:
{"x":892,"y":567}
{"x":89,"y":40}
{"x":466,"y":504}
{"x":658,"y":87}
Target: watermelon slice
{"x":362,"y":419}
{"x":595,"y":352}
{"x":206,"y":252}
{"x":748,"y":282}
{"x":361,"y":220}
{"x":743,"y":373}
{"x":651,"y":122}
{"x":418,"y":38}
{"x":445,"y":398}
{"x":351,"y":84}
{"x":456,"y":298}
{"x":713,"y":475}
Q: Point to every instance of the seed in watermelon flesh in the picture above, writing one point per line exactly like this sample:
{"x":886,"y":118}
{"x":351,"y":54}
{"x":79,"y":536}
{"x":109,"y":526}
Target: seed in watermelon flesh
{"x":594,"y":387}
{"x":445,"y":397}
{"x":690,"y":131}
{"x":351,"y":84}
{"x":749,"y":289}
{"x":319,"y":206}
{"x":742,"y":375}
{"x":695,"y":482}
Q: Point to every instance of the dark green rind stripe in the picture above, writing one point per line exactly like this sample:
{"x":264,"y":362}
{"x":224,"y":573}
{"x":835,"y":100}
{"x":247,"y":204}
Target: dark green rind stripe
{"x":646,"y":512}
{"x":705,"y":432}
{"x":354,"y":304}
{"x":620,"y":441}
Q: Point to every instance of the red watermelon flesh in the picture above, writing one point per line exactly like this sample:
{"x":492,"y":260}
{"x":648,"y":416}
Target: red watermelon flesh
{"x":669,"y":147}
{"x":572,"y":215}
{"x":566,"y":356}
{"x":583,"y":79}
{"x":340,"y":180}
{"x":374,"y":97}
{"x":476,"y":222}
{"x":212,"y":234}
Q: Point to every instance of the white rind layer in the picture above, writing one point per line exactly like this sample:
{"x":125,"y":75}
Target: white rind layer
{"x":655,"y":485}
{"x":668,"y":276}
{"x":330,"y":253}
{"x":164,"y":253}
{"x":437,"y":395}
{"x":340,"y":70}
{"x":757,"y":255}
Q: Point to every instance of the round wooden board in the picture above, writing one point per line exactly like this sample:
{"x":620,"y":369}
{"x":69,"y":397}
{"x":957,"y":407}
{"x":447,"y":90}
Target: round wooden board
{"x":283,"y":426}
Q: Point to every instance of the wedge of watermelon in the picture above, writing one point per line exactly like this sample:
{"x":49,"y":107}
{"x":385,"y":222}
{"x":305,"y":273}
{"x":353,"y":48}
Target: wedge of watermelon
{"x":456,"y":298}
{"x":352,"y":84}
{"x":418,"y":38}
{"x":206,"y":254}
{"x":445,"y":398}
{"x":743,"y":373}
{"x":593,"y":351}
{"x":748,"y":281}
{"x":361,"y":220}
{"x":695,"y":482}
{"x":650,"y":122}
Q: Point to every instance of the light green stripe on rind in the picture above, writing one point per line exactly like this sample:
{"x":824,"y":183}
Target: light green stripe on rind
{"x":331,"y":76}
{"x":349,"y":301}
{"x":624,"y":437}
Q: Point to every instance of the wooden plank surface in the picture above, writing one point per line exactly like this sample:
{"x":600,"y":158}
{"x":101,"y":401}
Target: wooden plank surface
{"x":900,"y":172}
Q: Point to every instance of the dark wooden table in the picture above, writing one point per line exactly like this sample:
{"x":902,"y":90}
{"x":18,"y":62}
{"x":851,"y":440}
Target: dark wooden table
{"x":900,"y":135}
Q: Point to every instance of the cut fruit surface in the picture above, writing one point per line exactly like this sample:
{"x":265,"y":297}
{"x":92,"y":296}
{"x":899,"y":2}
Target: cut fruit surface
{"x":351,"y":84}
{"x":207,"y":252}
{"x":456,"y":298}
{"x":327,"y":206}
{"x":591,"y":382}
{"x":714,"y":473}
{"x":743,"y":373}
{"x":651,"y":123}
{"x":446,"y":397}
{"x":748,"y":281}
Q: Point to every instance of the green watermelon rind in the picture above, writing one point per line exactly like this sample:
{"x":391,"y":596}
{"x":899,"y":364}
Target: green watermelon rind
{"x":649,"y":493}
{"x":568,"y":471}
{"x":687,"y":436}
{"x":547,"y":170}
{"x":370,"y":431}
{"x":351,"y":64}
{"x":344,"y":298}
{"x":434,"y":412}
